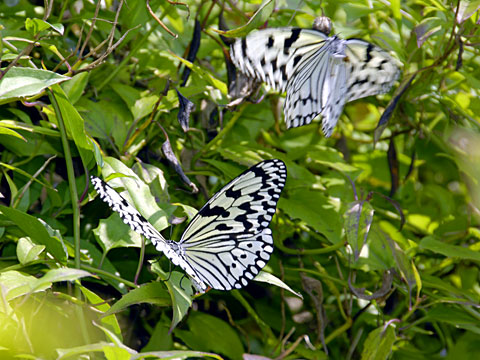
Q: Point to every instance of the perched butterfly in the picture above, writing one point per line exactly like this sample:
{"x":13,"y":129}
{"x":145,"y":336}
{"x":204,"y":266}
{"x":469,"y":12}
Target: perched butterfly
{"x":319,"y":73}
{"x":228,"y":241}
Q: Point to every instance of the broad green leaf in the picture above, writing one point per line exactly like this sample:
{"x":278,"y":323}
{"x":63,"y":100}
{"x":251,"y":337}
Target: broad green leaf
{"x":114,"y":233}
{"x":28,"y":127}
{"x":109,"y":321}
{"x":76,"y":86}
{"x":161,"y":338}
{"x":358,"y":220}
{"x":209,"y":333}
{"x":137,"y":192}
{"x":379,"y":343}
{"x":36,"y":230}
{"x":116,"y":353}
{"x":34,"y":26}
{"x":452,"y":251}
{"x":22,"y":82}
{"x":261,"y":15}
{"x":152,"y":293}
{"x":6,"y":131}
{"x":56,"y":275}
{"x":14,"y":284}
{"x":27,"y":251}
{"x":315,"y":209}
{"x":144,"y":106}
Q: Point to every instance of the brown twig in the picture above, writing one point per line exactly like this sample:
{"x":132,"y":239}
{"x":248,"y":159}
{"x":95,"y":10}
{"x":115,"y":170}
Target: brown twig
{"x":160,"y":21}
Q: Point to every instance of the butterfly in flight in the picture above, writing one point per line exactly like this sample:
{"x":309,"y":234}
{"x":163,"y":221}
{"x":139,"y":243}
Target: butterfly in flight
{"x":228,"y":241}
{"x":319,"y":73}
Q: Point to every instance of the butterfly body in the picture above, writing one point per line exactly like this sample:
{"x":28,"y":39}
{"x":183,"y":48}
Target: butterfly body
{"x":319,"y":73}
{"x":228,"y":242}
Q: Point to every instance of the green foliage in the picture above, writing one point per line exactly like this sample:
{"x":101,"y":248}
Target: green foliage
{"x":87,"y":89}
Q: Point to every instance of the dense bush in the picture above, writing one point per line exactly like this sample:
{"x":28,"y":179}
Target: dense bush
{"x":377,"y":230}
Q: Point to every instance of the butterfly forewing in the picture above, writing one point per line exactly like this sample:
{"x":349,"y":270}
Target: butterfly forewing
{"x":270,"y":55}
{"x":319,"y":73}
{"x":128,"y":213}
{"x":229,"y":241}
{"x":372,"y":70}
{"x":142,"y":226}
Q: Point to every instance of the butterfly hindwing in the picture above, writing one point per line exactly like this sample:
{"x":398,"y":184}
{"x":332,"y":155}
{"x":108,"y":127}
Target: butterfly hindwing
{"x":232,"y":262}
{"x":319,"y":73}
{"x":373,"y":71}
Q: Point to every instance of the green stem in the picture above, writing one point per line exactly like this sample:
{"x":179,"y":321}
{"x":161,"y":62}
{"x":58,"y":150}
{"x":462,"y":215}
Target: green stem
{"x":324,"y":250}
{"x":75,"y":207}
{"x":265,"y":328}
{"x":104,"y":273}
{"x":71,"y":177}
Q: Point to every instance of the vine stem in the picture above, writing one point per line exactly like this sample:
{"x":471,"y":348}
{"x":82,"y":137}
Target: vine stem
{"x":75,"y":206}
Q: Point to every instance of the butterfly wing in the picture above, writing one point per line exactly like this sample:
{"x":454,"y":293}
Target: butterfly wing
{"x":142,"y":226}
{"x":318,"y":86}
{"x":271,"y":55}
{"x":228,"y":241}
{"x":372,"y":70}
{"x":319,"y":73}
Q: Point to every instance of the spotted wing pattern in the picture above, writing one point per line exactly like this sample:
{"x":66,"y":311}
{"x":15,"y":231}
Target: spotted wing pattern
{"x":319,"y":73}
{"x":142,"y":226}
{"x":228,"y":242}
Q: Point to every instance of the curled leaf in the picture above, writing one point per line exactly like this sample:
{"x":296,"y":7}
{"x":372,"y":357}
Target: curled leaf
{"x":185,"y":108}
{"x":172,"y":159}
{"x":193,"y":50}
{"x":358,"y":220}
{"x":393,"y":166}
{"x":387,"y":282}
{"x":387,"y":114}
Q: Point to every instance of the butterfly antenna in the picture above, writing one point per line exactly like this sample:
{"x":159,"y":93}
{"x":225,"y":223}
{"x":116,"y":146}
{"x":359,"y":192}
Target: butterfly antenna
{"x":181,"y":287}
{"x":169,"y":271}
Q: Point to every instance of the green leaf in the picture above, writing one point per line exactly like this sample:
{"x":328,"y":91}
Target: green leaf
{"x":27,"y":251}
{"x":137,"y":192}
{"x":261,"y":15}
{"x":379,"y":343}
{"x":36,"y":230}
{"x":109,"y":321}
{"x":34,"y":26}
{"x":6,"y":131}
{"x":358,"y":220}
{"x":451,"y":251}
{"x":315,"y":209}
{"x":205,"y":75}
{"x":268,"y":278}
{"x":152,"y":293}
{"x":22,"y":82}
{"x":114,"y":233}
{"x":175,"y":354}
{"x":57,"y":275}
{"x":209,"y":333}
{"x":14,"y":284}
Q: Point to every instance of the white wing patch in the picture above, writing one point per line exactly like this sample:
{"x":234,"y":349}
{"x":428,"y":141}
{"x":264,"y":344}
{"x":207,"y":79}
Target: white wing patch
{"x":319,"y":73}
{"x":228,"y":242}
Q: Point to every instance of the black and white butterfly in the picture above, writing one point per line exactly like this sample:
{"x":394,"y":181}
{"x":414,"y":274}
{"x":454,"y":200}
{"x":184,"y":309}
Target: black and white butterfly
{"x":228,"y":241}
{"x":319,"y":73}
